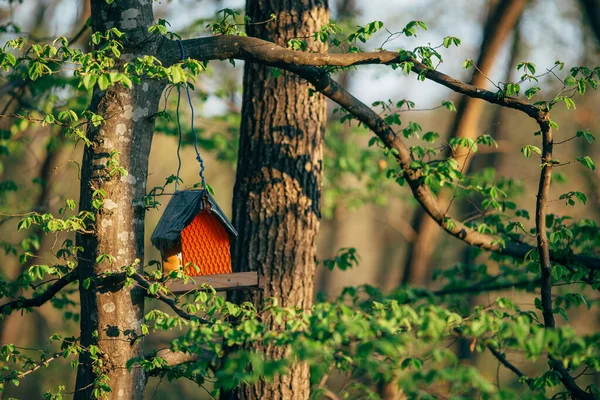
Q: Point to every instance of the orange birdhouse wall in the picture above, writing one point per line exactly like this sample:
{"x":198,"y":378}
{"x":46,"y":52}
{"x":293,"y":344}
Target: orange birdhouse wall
{"x":205,"y":243}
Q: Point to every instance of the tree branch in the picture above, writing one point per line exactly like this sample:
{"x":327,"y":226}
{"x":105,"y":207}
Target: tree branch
{"x":540,"y":223}
{"x":502,"y":359}
{"x":544,"y":254}
{"x":41,"y":299}
{"x":22,"y":374}
{"x":268,"y":53}
{"x":39,"y":365}
{"x":174,"y":358}
{"x":145,"y":284}
{"x":304,"y":64}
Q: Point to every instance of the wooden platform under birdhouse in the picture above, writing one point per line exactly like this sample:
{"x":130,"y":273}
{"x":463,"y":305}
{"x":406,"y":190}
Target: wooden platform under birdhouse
{"x":220,"y":282}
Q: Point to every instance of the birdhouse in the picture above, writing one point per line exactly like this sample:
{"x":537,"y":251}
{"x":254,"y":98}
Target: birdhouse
{"x":194,"y":233}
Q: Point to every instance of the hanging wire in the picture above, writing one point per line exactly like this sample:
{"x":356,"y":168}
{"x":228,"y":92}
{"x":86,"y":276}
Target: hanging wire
{"x":179,"y":140}
{"x":198,"y":156}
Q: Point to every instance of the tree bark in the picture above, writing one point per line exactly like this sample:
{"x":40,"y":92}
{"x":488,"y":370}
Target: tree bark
{"x":112,"y":316}
{"x":276,"y":202}
{"x":499,"y":25}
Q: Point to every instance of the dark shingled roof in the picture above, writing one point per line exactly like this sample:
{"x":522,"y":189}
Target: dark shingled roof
{"x":180,"y":212}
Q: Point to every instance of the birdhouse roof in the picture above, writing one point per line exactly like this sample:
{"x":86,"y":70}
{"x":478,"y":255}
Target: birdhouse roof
{"x":180,"y":212}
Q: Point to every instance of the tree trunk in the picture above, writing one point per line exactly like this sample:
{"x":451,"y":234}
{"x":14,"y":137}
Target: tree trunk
{"x":499,"y":25}
{"x":111,"y":316}
{"x":585,"y":115}
{"x":591,"y":9}
{"x":390,"y":390}
{"x":278,"y":184}
{"x":481,"y":161}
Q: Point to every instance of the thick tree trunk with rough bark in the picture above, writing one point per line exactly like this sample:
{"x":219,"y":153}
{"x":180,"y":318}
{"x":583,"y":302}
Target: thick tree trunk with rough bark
{"x":112,"y":316}
{"x":499,"y":25}
{"x":278,"y":183}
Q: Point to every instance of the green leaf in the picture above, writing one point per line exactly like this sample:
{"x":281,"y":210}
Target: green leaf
{"x":581,"y":197}
{"x":587,"y":135}
{"x":96,"y":38}
{"x":431,"y":137}
{"x":450,"y":40}
{"x":67,"y":115}
{"x":513,"y":89}
{"x":153,"y":288}
{"x":487,"y":140}
{"x":581,"y":85}
{"x":104,"y":82}
{"x":415,"y":165}
{"x":570,"y":81}
{"x":569,"y":198}
{"x":449,"y":105}
{"x":587,"y":162}
{"x":210,"y":189}
{"x":12,"y":60}
{"x":526,"y":150}
{"x":298,"y":45}
{"x":406,"y":67}
{"x":569,"y":103}
{"x":35,"y":70}
{"x":125,"y":80}
{"x":177,"y":74}
{"x":25,"y":223}
{"x":527,"y":67}
{"x":115,"y":50}
{"x":532,"y":91}
{"x":88,"y":81}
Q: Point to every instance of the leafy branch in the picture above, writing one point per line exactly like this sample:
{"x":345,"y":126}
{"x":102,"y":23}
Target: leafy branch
{"x":41,"y":299}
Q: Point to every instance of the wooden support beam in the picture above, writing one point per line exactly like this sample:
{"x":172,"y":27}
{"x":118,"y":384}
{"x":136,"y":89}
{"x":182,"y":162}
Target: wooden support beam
{"x":221,"y":282}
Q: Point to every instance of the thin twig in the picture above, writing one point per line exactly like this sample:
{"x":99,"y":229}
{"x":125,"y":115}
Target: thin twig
{"x":502,"y":359}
